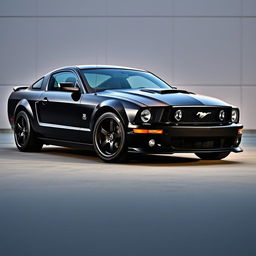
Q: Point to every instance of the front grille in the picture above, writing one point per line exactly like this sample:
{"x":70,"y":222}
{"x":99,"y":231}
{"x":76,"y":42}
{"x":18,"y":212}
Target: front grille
{"x":202,"y":143}
{"x":201,"y":115}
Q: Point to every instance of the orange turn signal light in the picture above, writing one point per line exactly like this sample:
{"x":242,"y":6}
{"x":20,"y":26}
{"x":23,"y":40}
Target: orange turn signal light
{"x":240,"y":130}
{"x":148,"y":131}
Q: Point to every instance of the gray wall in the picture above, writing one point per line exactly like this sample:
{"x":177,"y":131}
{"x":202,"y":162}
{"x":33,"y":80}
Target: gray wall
{"x":207,"y":46}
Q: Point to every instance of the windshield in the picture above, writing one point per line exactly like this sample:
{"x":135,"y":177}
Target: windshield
{"x":113,"y":78}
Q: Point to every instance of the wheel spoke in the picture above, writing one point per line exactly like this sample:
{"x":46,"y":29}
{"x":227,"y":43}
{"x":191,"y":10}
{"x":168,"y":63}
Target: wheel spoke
{"x":19,"y":127}
{"x":22,"y":139}
{"x":111,"y":125}
{"x":118,"y":134}
{"x":22,"y":122}
{"x":111,"y":146}
{"x":25,"y":135}
{"x":103,"y":131}
{"x":116,"y":145}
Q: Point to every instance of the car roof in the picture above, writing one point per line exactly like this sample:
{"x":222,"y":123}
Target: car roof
{"x":106,"y":66}
{"x":95,"y":66}
{"x":91,"y":67}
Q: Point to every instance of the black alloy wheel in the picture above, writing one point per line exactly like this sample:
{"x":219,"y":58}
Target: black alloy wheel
{"x":109,"y":138}
{"x":21,"y":131}
{"x":24,"y":135}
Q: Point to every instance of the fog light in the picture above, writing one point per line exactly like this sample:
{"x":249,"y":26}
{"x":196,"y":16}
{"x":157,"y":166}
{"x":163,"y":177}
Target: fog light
{"x":152,"y":143}
{"x":222,"y":115}
{"x":178,"y":115}
{"x":237,"y":141}
{"x":235,"y":116}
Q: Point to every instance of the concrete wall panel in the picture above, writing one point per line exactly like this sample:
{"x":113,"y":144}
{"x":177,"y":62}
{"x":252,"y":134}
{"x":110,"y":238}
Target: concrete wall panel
{"x":70,"y":41}
{"x":4,"y":94}
{"x":207,"y":51}
{"x":249,"y":106}
{"x":249,"y":51}
{"x":249,"y":7}
{"x":17,"y":50}
{"x":72,"y":8}
{"x":207,"y":7}
{"x":141,"y":42}
{"x":140,"y":8}
{"x":18,"y":8}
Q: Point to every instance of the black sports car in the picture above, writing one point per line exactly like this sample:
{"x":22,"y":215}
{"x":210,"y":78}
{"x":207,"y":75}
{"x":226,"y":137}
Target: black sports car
{"x":117,"y":110}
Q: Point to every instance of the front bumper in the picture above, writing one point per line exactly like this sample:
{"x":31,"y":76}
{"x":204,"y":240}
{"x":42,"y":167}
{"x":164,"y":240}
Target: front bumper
{"x":187,"y":139}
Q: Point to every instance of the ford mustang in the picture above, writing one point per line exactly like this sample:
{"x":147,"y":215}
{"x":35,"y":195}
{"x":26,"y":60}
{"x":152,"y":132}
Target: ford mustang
{"x":115,"y":110}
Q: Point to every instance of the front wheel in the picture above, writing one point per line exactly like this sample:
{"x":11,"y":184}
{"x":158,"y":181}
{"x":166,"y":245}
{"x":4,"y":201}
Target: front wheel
{"x":109,"y":138}
{"x":212,"y":156}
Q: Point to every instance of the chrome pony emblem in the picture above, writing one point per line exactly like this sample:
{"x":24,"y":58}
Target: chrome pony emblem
{"x":203,"y":114}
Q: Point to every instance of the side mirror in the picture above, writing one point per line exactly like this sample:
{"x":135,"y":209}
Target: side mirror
{"x":68,"y":87}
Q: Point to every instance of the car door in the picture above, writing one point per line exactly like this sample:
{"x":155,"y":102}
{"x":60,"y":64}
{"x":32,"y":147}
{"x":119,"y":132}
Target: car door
{"x":59,"y":111}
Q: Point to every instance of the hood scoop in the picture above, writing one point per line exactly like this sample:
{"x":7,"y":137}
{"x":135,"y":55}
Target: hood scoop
{"x":165,"y":91}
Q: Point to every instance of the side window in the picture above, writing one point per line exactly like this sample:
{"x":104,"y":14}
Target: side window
{"x":38,"y":84}
{"x":62,"y":77}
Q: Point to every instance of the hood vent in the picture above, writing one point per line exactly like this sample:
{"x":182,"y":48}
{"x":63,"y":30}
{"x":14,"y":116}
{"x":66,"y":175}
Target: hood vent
{"x":165,"y":91}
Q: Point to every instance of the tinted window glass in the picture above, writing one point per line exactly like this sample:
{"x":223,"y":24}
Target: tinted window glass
{"x":62,"y":77}
{"x":136,"y":82}
{"x":104,"y":79}
{"x":38,"y":84}
{"x":95,"y":80}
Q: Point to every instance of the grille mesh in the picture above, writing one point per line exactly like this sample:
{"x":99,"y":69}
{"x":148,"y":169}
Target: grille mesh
{"x":202,"y":143}
{"x":201,"y":115}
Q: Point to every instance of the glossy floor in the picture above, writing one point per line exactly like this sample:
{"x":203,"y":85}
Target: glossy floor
{"x":64,"y":202}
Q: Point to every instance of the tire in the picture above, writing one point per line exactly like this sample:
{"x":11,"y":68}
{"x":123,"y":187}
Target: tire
{"x":24,"y":136}
{"x":212,"y":156}
{"x":109,"y":138}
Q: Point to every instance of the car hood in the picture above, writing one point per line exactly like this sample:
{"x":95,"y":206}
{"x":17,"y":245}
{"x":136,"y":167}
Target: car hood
{"x":163,"y":97}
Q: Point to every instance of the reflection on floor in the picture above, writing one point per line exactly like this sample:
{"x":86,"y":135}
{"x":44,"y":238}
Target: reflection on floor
{"x":68,"y":202}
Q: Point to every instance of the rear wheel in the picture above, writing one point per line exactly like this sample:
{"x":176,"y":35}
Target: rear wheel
{"x":212,"y":156}
{"x":109,"y":138}
{"x":24,"y":136}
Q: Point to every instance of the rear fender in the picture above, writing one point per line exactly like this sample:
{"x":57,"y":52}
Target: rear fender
{"x":24,"y":105}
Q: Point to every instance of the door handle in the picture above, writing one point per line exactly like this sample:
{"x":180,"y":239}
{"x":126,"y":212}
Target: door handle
{"x":44,"y":101}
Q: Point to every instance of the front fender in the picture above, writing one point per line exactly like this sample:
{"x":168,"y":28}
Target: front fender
{"x":110,"y":105}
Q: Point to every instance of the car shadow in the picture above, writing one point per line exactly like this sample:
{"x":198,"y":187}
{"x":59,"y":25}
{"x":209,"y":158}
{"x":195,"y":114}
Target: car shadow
{"x":71,"y":155}
{"x":138,"y":159}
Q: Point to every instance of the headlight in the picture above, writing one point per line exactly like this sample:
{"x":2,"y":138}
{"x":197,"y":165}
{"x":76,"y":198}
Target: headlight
{"x":145,"y":115}
{"x":178,"y":115}
{"x":222,"y":115}
{"x":235,"y":116}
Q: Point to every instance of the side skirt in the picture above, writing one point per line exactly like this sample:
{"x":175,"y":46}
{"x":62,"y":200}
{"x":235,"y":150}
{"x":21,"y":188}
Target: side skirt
{"x":64,"y":143}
